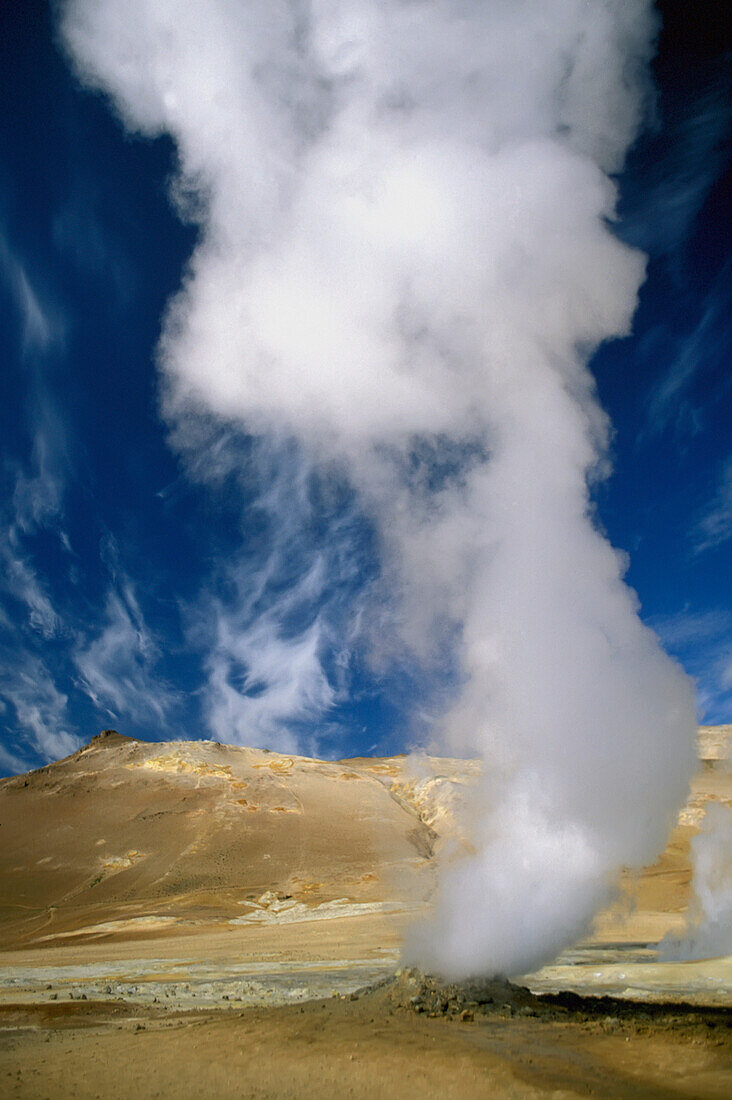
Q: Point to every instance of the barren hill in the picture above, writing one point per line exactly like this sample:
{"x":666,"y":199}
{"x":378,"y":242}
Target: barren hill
{"x":130,"y":836}
{"x":128,"y":839}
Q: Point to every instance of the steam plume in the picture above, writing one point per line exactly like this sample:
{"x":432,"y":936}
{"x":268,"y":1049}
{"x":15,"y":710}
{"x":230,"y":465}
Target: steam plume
{"x":709,"y":929}
{"x":406,"y":260}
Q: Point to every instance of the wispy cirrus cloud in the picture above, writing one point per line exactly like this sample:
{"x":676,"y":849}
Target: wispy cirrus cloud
{"x":694,"y":369}
{"x":268,"y":617}
{"x":33,"y":498}
{"x":24,"y":585}
{"x":682,"y":161}
{"x":80,"y":234}
{"x":715,"y":524}
{"x":40,"y":708}
{"x":46,"y":640}
{"x":34,"y":705}
{"x":32,"y":491}
{"x":702,"y":641}
{"x":116,"y":661}
{"x":260,"y":683}
{"x":11,"y":760}
{"x":674,"y":172}
{"x":41,"y":324}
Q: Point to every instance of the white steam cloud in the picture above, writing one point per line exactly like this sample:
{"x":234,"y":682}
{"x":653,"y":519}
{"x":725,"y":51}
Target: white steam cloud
{"x":406,"y":260}
{"x":710,"y":925}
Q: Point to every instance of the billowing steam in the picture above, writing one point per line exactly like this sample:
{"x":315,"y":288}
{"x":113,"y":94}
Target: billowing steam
{"x":406,"y":259}
{"x":709,"y":931}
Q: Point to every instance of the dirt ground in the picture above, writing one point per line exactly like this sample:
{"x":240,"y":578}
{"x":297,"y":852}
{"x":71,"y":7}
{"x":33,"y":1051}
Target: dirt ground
{"x":366,"y":1047}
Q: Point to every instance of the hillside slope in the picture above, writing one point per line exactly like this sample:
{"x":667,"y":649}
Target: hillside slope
{"x":196,"y":831}
{"x":128,"y":839}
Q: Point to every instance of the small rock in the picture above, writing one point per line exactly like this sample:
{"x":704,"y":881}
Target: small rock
{"x":467,"y":1016}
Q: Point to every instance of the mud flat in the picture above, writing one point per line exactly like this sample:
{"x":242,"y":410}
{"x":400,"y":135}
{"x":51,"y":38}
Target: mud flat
{"x":274,"y":966}
{"x":634,"y":972}
{"x":208,"y":969}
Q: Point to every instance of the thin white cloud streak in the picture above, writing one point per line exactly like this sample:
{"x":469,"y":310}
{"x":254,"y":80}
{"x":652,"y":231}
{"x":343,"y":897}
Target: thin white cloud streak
{"x":702,"y":640}
{"x":715,"y":526}
{"x":694,"y":357}
{"x":11,"y":763}
{"x":660,"y":210}
{"x":28,"y":617}
{"x":116,"y":668}
{"x":405,"y":215}
{"x":22,"y":583}
{"x":688,"y":628}
{"x":41,"y":325}
{"x":725,"y":670}
{"x":40,"y":708}
{"x":79,"y":234}
{"x":35,"y":502}
{"x":265,"y":622}
{"x":115,"y":658}
{"x":281,"y":682}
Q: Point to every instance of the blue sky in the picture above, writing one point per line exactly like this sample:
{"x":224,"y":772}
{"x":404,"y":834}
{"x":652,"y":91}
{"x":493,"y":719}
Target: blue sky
{"x":185,"y":593}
